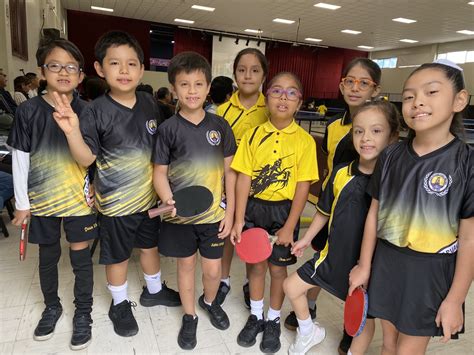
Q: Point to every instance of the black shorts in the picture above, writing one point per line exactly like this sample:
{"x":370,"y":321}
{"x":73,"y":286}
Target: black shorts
{"x":271,"y":216}
{"x":47,"y":230}
{"x":183,"y":240}
{"x":319,"y":241}
{"x":119,"y":235}
{"x":407,"y":287}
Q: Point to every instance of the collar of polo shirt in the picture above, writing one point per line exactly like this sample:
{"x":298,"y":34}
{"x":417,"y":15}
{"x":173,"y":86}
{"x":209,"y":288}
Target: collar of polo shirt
{"x":269,"y":127}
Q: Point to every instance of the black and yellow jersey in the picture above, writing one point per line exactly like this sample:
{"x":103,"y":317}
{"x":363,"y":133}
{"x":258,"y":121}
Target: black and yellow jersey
{"x":346,"y":203}
{"x":195,"y":156}
{"x":276,"y":160}
{"x":122,"y":138}
{"x":337,"y":142}
{"x":240,"y":119}
{"x":57,"y":185}
{"x":422,"y":198}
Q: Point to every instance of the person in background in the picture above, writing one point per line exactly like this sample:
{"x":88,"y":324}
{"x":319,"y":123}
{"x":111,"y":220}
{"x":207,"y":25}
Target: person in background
{"x":22,"y":87}
{"x":221,"y":91}
{"x":34,"y":84}
{"x":164,"y":98}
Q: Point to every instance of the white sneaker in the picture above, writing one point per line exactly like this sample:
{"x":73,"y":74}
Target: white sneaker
{"x":303,"y":343}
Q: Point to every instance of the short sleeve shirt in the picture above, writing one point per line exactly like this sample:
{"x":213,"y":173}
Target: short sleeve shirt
{"x":276,"y":160}
{"x":195,"y":155}
{"x":122,"y":138}
{"x":422,"y":199}
{"x":57,"y":185}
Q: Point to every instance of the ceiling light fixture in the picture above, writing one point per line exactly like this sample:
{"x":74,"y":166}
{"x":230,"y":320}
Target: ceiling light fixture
{"x":403,"y":20}
{"x":365,"y":47}
{"x":249,"y":30}
{"x":323,"y":5}
{"x":466,"y":32}
{"x":98,"y":8}
{"x":406,"y":40}
{"x":313,"y":39}
{"x":203,"y":8}
{"x":282,"y":20}
{"x":183,"y":21}
{"x":352,"y":32}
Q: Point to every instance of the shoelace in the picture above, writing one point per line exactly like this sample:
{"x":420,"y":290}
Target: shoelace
{"x":216,"y":310}
{"x":49,"y":313}
{"x":125,"y":310}
{"x":188,"y":327}
{"x":272,"y":327}
{"x":251,"y":322}
{"x":82,"y":323}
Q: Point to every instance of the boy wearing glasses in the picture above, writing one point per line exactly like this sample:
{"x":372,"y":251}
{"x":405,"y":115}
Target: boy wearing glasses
{"x":50,"y":188}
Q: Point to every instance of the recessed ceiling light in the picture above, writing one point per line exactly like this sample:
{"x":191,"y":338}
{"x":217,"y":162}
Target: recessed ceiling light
{"x":312,"y":39}
{"x":282,"y":20}
{"x":98,"y":8}
{"x":183,"y":21}
{"x":151,"y":31}
{"x":365,"y":47}
{"x":203,"y":8}
{"x":470,"y":3}
{"x":351,"y":32}
{"x":403,"y":20}
{"x":466,"y":32}
{"x":249,"y":30}
{"x":406,"y":40}
{"x":172,"y":42}
{"x":323,"y":5}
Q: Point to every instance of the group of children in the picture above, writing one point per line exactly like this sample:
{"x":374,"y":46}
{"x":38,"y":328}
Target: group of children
{"x":400,"y":214}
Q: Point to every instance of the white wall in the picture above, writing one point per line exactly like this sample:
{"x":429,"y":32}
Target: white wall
{"x":156,"y":79}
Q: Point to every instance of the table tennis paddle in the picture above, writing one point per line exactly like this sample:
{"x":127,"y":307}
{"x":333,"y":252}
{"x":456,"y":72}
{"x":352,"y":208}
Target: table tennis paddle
{"x":189,"y":202}
{"x":355,"y":311}
{"x":23,"y":239}
{"x":255,"y":245}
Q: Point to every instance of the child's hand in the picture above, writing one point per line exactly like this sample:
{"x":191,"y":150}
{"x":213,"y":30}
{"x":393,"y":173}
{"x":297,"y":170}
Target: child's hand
{"x":225,"y":226}
{"x":236,"y":232}
{"x":359,"y":276}
{"x":20,"y":216}
{"x":285,"y":236}
{"x":450,"y":318}
{"x":299,"y":247}
{"x":64,"y":116}
{"x":171,"y":202}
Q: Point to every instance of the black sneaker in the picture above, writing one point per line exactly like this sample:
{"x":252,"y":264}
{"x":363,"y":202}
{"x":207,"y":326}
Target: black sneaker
{"x":81,"y":331}
{"x":345,"y":343}
{"x":271,"y":337}
{"x":246,"y":290}
{"x":291,"y":323}
{"x":187,"y":334}
{"x":166,"y":297}
{"x":50,"y":317}
{"x":217,"y":315}
{"x":222,"y":293}
{"x":248,"y":335}
{"x":122,"y":317}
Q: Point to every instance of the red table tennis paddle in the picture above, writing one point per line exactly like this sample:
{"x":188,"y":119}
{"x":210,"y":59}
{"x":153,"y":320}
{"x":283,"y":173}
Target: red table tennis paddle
{"x":23,"y":239}
{"x":189,"y":202}
{"x":355,"y":311}
{"x":255,"y":245}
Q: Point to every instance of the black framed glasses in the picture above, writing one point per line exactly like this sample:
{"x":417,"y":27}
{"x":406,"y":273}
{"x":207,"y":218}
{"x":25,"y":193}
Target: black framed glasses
{"x":56,"y":68}
{"x":291,"y":94}
{"x":363,"y":84}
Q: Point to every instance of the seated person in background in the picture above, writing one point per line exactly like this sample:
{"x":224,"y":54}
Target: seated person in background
{"x":221,"y":91}
{"x":146,"y":88}
{"x":34,"y":84}
{"x":22,"y":87}
{"x":6,"y":187}
{"x":7,"y":104}
{"x":95,"y":87}
{"x":164,"y":99}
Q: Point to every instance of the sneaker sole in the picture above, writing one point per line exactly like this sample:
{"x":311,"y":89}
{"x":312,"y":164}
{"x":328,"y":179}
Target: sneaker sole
{"x":309,"y":346}
{"x":146,"y":302}
{"x":269,"y":351}
{"x":290,"y":327}
{"x":50,"y":335}
{"x":81,"y":346}
{"x":246,"y":345}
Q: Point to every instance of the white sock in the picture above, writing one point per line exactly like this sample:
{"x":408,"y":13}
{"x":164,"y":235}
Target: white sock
{"x":226,"y":281}
{"x":119,"y":293}
{"x":256,"y":308}
{"x":311,"y":304}
{"x":273,"y":314}
{"x":153,"y":282}
{"x":349,"y":352}
{"x":305,"y":325}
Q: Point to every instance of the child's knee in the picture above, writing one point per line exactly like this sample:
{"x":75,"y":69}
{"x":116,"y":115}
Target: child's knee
{"x":278,"y":272}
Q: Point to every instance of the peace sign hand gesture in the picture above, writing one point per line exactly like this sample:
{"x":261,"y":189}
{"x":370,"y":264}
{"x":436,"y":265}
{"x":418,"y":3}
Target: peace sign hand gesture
{"x":65,"y":116}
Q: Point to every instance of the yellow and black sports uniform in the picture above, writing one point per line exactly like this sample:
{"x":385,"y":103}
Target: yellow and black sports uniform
{"x":337,"y":144}
{"x":240,"y":119}
{"x":346,"y":203}
{"x":276,"y":160}
{"x":57,"y":185}
{"x":195,"y":156}
{"x":122,"y":139}
{"x":421,"y":201}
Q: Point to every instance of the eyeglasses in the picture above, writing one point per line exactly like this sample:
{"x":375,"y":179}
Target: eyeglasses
{"x":364,"y":84}
{"x":56,"y":68}
{"x":291,"y":93}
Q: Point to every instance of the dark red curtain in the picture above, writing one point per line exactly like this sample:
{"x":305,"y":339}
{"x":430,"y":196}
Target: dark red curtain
{"x":85,"y":28}
{"x":319,"y":69}
{"x":188,"y":40}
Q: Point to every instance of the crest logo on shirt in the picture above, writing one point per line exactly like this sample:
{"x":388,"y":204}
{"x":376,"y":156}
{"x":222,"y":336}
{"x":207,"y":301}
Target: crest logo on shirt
{"x":151,"y":126}
{"x":437,"y":183}
{"x":213,"y":137}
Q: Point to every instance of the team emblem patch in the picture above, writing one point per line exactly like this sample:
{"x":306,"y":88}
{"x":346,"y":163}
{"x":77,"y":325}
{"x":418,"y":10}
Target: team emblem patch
{"x":151,"y":126}
{"x":213,"y":137}
{"x":437,"y":183}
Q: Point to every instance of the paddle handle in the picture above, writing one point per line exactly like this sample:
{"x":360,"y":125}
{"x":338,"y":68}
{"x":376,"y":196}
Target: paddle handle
{"x":272,"y":239}
{"x":155,"y":212}
{"x":23,"y":239}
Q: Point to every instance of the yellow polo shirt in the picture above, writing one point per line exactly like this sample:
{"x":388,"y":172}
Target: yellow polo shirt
{"x":276,"y":160}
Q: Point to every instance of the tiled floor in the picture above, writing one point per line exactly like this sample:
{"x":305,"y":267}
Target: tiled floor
{"x":21,"y":306}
